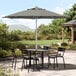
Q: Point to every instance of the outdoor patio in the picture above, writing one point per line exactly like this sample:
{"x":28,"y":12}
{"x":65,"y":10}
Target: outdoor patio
{"x":70,"y":70}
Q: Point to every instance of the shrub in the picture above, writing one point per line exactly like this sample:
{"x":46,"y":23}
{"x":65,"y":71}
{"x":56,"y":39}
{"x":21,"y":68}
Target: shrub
{"x":2,"y":53}
{"x":73,"y":46}
{"x":5,"y":53}
{"x":18,"y":52}
{"x":64,"y":44}
{"x":9,"y":53}
{"x":54,"y":45}
{"x":21,"y":46}
{"x":2,"y":72}
{"x":8,"y":72}
{"x":31,"y":46}
{"x":5,"y":45}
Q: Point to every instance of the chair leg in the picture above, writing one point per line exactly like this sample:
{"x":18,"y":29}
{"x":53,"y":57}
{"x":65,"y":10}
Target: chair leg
{"x":64,"y":62}
{"x":49,"y":62}
{"x":33,"y":64}
{"x":56,"y":61}
{"x":12,"y":62}
{"x":15,"y":63}
{"x":23,"y":64}
{"x":26,"y":63}
{"x":54,"y":64}
{"x":26,"y":66}
{"x":36,"y":63}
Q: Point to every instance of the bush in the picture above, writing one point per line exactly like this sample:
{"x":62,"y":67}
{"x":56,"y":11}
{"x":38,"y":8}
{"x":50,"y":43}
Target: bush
{"x":73,"y":46}
{"x":18,"y":52}
{"x":9,"y":53}
{"x":21,"y":46}
{"x":8,"y":72}
{"x":2,"y":53}
{"x":2,"y":72}
{"x":5,"y":45}
{"x":64,"y":44}
{"x":5,"y":53}
{"x":54,"y":45}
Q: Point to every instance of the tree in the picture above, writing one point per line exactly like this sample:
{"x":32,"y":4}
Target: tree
{"x":71,"y":13}
{"x":43,"y":29}
{"x":4,"y":36}
{"x":16,"y":35}
{"x":3,"y":32}
{"x":55,"y":26}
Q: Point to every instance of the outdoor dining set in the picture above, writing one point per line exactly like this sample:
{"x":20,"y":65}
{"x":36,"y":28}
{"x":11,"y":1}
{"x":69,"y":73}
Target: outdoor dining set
{"x":37,"y":54}
{"x":32,"y":57}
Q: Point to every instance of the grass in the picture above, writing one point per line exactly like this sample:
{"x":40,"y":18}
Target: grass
{"x":42,"y":42}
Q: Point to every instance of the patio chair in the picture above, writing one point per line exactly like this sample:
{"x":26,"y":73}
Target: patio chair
{"x":27,"y":58}
{"x":52,"y":55}
{"x":15,"y":59}
{"x":60,"y":54}
{"x":56,"y":55}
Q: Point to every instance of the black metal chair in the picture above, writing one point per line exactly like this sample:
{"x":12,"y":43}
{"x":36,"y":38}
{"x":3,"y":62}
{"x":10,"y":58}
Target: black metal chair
{"x":15,"y":59}
{"x":26,"y":57}
{"x":60,"y":54}
{"x":56,"y":55}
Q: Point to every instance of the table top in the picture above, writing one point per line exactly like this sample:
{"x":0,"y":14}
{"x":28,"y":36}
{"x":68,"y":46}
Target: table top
{"x":38,"y":50}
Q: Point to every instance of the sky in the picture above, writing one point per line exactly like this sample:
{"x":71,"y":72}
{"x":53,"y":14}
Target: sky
{"x":11,"y":6}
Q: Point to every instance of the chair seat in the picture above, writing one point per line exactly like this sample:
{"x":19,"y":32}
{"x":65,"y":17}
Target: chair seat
{"x":59,"y":55}
{"x":32,"y":58}
{"x":52,"y":56}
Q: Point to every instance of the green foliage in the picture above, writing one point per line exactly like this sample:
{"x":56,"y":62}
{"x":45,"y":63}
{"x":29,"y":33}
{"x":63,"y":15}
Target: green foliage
{"x":29,"y":36}
{"x":8,"y":72}
{"x":5,"y":45}
{"x":16,"y":44}
{"x":64,"y":44}
{"x":9,"y":53}
{"x":43,"y":29}
{"x":2,"y":72}
{"x":5,"y":53}
{"x":18,"y":52}
{"x":50,"y":31}
{"x":4,"y":36}
{"x":3,"y":32}
{"x":2,"y":53}
{"x":54,"y":45}
{"x":71,"y":13}
{"x":73,"y":46}
{"x":21,"y":46}
{"x":55,"y":27}
{"x":17,"y":35}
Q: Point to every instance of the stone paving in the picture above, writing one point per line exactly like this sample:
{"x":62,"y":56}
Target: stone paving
{"x":70,"y":70}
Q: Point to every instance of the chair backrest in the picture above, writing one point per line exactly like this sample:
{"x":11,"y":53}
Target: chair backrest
{"x":61,"y":51}
{"x":46,"y":47}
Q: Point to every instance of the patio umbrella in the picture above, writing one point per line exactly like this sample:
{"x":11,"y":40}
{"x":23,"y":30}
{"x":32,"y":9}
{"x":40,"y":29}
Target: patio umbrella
{"x":35,"y":13}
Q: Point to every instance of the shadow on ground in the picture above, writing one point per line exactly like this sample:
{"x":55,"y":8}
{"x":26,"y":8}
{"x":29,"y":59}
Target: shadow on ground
{"x":60,"y":67}
{"x":39,"y":67}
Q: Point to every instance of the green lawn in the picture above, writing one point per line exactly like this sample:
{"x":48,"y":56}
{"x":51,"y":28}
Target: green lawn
{"x":42,"y":42}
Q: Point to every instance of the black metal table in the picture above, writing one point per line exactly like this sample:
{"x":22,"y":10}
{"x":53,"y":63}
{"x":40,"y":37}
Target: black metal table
{"x":38,"y":50}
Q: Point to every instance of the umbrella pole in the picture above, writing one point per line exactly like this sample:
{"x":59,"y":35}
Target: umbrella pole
{"x":36,"y":36}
